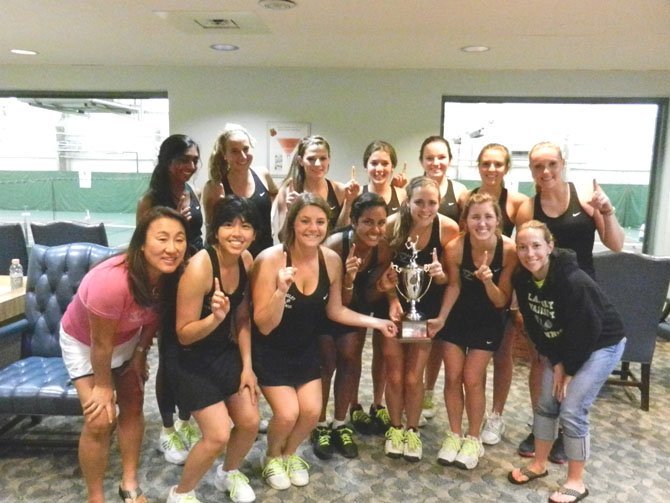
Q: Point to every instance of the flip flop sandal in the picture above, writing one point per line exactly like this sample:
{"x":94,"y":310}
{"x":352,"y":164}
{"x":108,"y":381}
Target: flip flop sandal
{"x":570,"y":492}
{"x":530,"y":476}
{"x":135,"y":496}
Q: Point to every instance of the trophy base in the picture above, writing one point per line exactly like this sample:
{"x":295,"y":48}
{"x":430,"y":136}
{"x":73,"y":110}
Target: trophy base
{"x":413,"y":331}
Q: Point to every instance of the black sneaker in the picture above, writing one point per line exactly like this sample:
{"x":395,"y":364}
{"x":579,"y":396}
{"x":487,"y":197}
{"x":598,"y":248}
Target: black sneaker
{"x":343,"y":441}
{"x":380,"y":417}
{"x":321,"y":445}
{"x":557,"y":453}
{"x":361,"y":421}
{"x":527,"y":446}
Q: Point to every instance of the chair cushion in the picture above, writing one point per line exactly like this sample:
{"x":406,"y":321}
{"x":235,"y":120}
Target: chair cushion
{"x":38,"y":386}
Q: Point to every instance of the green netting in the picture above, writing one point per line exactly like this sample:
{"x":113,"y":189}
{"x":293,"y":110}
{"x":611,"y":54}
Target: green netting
{"x":60,"y":191}
{"x":630,"y":201}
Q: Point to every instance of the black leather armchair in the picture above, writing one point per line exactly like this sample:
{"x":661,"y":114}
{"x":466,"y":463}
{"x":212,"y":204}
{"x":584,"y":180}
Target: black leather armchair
{"x":60,"y":233}
{"x":38,"y":384}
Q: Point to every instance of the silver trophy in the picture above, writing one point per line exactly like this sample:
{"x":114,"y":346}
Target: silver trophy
{"x":413,"y":278}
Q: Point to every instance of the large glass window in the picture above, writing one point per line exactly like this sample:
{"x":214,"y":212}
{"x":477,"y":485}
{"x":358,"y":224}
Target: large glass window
{"x":616,"y":142}
{"x":80,"y":158}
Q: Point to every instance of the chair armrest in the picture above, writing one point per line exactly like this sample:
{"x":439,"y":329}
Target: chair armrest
{"x":10,"y":341}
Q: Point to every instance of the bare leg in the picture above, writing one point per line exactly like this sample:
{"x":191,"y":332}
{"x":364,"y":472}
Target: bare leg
{"x":378,"y":370}
{"x":309,"y":402}
{"x":503,"y":367}
{"x":474,"y":381}
{"x":93,"y":445}
{"x":283,"y":401}
{"x":416,"y":356}
{"x":214,"y":424}
{"x":534,"y":377}
{"x":328,"y":354}
{"x":454,"y":361}
{"x":245,"y":416}
{"x":348,"y":374}
{"x":394,"y":362}
{"x":433,"y":365}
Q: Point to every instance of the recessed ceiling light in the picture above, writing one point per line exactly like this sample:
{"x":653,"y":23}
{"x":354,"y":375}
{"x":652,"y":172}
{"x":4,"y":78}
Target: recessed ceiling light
{"x":277,"y":4}
{"x":224,"y":47}
{"x":475,"y":48}
{"x":23,"y":52}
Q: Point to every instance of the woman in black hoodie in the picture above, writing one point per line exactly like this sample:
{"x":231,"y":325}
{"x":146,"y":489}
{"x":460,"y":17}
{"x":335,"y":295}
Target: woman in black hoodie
{"x":580,"y":337}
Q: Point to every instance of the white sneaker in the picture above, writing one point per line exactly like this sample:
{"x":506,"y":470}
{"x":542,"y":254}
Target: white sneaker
{"x":189,"y":432}
{"x":449,"y":450}
{"x":412,"y":446}
{"x":274,"y":473}
{"x":493,"y":429}
{"x":172,"y":446}
{"x":428,"y":405}
{"x":175,"y":497}
{"x":297,"y":470}
{"x":395,"y":442}
{"x":471,"y":451}
{"x":235,"y":483}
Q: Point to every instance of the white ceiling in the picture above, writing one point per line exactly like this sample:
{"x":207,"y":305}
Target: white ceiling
{"x":525,"y":35}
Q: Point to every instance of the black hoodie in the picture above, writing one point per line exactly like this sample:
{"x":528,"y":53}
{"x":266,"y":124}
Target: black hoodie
{"x":568,"y":317}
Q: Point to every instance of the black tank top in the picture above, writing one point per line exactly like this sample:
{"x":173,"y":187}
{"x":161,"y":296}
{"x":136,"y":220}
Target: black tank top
{"x":222,"y":337}
{"x":361,"y":282}
{"x":303,"y":314}
{"x":507,"y":224}
{"x":334,"y":205}
{"x":263,"y":203}
{"x":473,"y":292}
{"x":449,"y":205}
{"x":574,"y":229}
{"x":393,"y":205}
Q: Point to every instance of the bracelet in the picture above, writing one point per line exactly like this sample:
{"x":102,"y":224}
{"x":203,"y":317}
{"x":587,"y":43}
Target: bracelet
{"x":349,"y":288}
{"x":610,"y":212}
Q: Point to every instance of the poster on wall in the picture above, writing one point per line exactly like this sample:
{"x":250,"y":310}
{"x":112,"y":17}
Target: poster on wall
{"x":283,"y":140}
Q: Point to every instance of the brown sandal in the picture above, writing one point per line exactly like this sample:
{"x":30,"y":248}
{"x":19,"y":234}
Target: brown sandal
{"x":132,"y":496}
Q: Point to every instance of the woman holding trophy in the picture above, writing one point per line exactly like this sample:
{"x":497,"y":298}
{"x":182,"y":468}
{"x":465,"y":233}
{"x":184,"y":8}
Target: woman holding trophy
{"x":480,"y":263}
{"x":417,"y":235}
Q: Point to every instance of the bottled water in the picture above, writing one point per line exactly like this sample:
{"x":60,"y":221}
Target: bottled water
{"x":15,"y":274}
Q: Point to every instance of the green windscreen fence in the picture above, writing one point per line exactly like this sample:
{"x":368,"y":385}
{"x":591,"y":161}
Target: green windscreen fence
{"x":630,"y":201}
{"x":61,"y":191}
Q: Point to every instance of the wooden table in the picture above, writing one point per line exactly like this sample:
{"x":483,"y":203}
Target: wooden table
{"x":12,"y":304}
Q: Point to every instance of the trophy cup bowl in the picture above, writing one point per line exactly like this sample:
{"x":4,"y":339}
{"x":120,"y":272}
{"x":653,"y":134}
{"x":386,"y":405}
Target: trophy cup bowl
{"x":413,"y":279}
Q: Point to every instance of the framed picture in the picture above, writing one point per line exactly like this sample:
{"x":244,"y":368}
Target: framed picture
{"x":283,"y":140}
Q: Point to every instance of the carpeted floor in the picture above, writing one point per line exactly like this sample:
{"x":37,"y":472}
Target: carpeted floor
{"x":629,"y":463}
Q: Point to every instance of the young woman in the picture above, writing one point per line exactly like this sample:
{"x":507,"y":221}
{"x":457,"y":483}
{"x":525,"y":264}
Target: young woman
{"x":217,"y":381}
{"x":479,"y":265}
{"x":308,"y":174}
{"x":573,"y":217}
{"x":105,"y":334}
{"x":418,"y":223}
{"x":288,"y":310}
{"x":435,"y":157}
{"x":178,"y":160}
{"x":230,"y":172}
{"x":580,"y":338}
{"x":365,"y":256}
{"x":494,"y":163}
{"x":380,"y":160}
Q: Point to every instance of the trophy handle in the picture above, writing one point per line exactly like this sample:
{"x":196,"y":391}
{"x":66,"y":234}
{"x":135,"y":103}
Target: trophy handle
{"x":397,"y":286}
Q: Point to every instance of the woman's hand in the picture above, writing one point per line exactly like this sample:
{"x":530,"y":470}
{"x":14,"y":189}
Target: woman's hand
{"x":387,"y":328}
{"x":388,"y":280}
{"x":184,"y":207}
{"x":102,"y":400}
{"x":484,"y":272}
{"x":352,"y":187}
{"x":291,"y":195}
{"x":248,"y":381}
{"x":351,"y":266}
{"x":285,"y":277}
{"x":395,"y":310}
{"x":434,"y":326}
{"x":561,"y":382}
{"x":434,"y":269}
{"x":600,"y":201}
{"x":399,"y":180}
{"x":220,"y":302}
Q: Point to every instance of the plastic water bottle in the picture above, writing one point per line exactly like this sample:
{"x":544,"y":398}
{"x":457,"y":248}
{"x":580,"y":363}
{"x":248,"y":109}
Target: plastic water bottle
{"x":15,"y":275}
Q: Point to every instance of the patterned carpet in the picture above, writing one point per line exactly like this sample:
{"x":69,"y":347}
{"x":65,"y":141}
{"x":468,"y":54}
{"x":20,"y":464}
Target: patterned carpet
{"x":630,"y":453}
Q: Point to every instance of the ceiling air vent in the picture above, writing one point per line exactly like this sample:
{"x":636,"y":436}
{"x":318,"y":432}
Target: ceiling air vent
{"x":217,"y":24}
